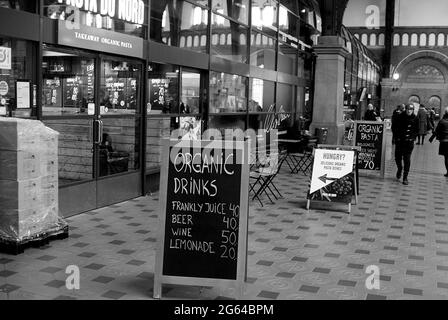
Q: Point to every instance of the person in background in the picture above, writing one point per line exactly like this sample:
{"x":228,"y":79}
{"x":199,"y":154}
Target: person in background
{"x":405,"y":135}
{"x":441,"y":133}
{"x":423,"y":120}
{"x":432,"y":119}
{"x":395,"y":115}
{"x":370,"y":114}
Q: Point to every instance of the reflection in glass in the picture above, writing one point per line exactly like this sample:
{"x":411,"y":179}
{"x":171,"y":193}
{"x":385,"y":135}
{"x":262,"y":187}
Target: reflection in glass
{"x":179,"y":24}
{"x":227,"y":93}
{"x":236,"y":9}
{"x":190,"y":92}
{"x":75,"y":156}
{"x":232,"y":39}
{"x":287,"y":59}
{"x":68,"y":83}
{"x":119,"y":149}
{"x":163,"y":82}
{"x":120,"y":87}
{"x":227,"y":122}
{"x":262,"y":51}
{"x":25,"y":5}
{"x":157,"y":130}
{"x":264,"y":15}
{"x":289,"y":26}
{"x":261,"y":95}
{"x":286,"y":98}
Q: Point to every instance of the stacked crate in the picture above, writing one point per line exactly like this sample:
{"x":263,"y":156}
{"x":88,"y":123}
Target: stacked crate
{"x":28,"y":179}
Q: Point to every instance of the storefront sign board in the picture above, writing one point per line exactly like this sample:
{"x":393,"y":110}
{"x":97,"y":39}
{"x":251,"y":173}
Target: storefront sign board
{"x":333,"y":178}
{"x":203,"y":212}
{"x":100,"y":40}
{"x":371,"y":137}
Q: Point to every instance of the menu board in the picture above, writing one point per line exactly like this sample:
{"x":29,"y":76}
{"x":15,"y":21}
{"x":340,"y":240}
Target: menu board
{"x":204,"y":190}
{"x":370,"y":137}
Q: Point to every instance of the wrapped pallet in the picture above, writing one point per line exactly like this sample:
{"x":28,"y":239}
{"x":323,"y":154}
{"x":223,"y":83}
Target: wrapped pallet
{"x":28,"y":181}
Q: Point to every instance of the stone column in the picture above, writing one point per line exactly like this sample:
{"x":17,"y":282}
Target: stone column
{"x":328,"y":109}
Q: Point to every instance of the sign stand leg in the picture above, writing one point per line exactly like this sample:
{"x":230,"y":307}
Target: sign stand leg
{"x":308,"y":202}
{"x":157,"y":294}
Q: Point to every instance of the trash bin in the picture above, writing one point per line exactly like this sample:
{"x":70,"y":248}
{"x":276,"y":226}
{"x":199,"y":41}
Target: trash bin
{"x":321,"y":135}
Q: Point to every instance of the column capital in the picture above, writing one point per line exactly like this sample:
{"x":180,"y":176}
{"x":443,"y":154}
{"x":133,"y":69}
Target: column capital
{"x":331,"y":45}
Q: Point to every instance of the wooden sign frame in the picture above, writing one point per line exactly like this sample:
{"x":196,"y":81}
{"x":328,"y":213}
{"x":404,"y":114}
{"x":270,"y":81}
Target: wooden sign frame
{"x":241,"y":272}
{"x":383,"y":146}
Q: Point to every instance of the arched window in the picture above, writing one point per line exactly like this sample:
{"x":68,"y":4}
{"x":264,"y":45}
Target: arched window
{"x":423,"y":39}
{"x":229,"y":39}
{"x":189,"y":41}
{"x":381,"y":39}
{"x":364,"y":39}
{"x":414,"y":40}
{"x":373,"y":40}
{"x":203,"y":40}
{"x":357,"y":36}
{"x":405,"y":40}
{"x":215,"y":39}
{"x":182,"y":42}
{"x":222,"y":39}
{"x":196,"y":41}
{"x":441,"y":40}
{"x":396,"y":39}
{"x":432,"y":40}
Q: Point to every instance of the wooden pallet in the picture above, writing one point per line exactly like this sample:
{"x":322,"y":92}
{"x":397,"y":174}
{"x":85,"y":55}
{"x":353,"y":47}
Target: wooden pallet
{"x":18,"y":247}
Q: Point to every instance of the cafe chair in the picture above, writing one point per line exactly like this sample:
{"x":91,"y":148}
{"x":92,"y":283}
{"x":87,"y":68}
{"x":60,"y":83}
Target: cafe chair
{"x":262,"y":180}
{"x":302,"y":161}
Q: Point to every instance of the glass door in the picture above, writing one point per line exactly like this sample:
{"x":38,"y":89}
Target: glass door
{"x":94,"y":103}
{"x":120,"y":118}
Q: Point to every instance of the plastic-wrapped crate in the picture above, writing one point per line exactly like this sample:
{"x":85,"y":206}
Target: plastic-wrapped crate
{"x":28,"y":182}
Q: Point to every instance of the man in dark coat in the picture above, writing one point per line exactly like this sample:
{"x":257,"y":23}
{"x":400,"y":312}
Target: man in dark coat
{"x":370,"y":114}
{"x":395,"y":115}
{"x":406,"y":133}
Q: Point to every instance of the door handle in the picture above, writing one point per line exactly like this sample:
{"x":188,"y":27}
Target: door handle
{"x":97,"y":131}
{"x":101,"y":131}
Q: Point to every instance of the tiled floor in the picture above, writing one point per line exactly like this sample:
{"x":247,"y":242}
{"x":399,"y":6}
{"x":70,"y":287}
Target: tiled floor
{"x":293,"y":254}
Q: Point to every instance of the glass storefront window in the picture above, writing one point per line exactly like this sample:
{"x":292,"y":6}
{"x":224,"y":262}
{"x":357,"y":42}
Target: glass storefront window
{"x":180,"y":24}
{"x":261,"y":95}
{"x":68,"y":83}
{"x":286,"y":98}
{"x":226,"y":123}
{"x":163,"y":82}
{"x":288,"y":26}
{"x":227,"y":93}
{"x":229,"y":39}
{"x":190,"y":92}
{"x":120,"y":87}
{"x":115,"y":17}
{"x":25,"y":5}
{"x":17,"y":86}
{"x":287,"y":59}
{"x":264,"y":15}
{"x":235,"y":9}
{"x":262,"y":50}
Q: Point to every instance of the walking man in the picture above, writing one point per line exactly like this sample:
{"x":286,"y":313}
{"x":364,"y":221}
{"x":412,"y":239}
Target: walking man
{"x":406,"y":133}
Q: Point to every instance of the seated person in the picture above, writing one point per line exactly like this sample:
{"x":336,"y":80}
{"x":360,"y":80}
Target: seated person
{"x":111,"y":161}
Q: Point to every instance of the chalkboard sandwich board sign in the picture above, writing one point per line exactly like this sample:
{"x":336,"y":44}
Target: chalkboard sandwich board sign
{"x":203,"y":214}
{"x":370,"y":136}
